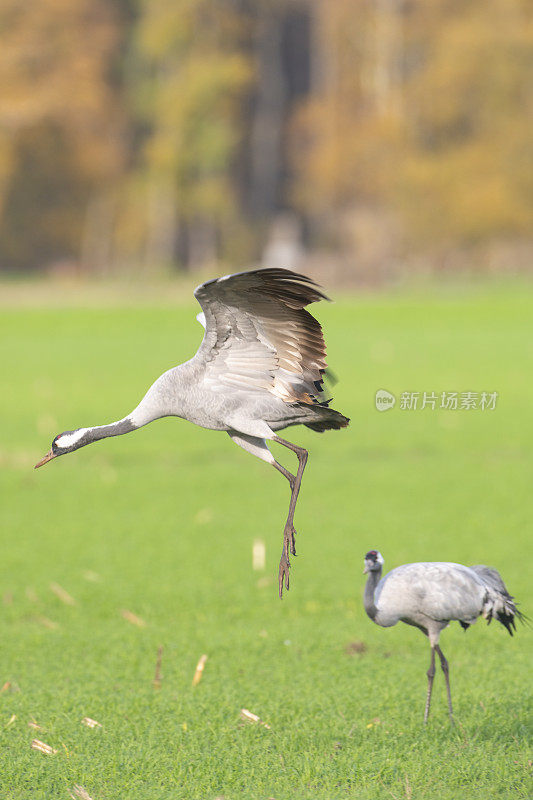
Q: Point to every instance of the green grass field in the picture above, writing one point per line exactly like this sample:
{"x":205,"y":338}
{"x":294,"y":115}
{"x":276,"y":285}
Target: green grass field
{"x":161,"y":523}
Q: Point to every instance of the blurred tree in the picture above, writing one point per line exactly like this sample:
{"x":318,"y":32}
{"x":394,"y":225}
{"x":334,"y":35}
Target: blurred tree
{"x":467,"y":173}
{"x":424,"y":108}
{"x":61,"y":124}
{"x":193,"y":75}
{"x":279,"y":45}
{"x":164,"y":132}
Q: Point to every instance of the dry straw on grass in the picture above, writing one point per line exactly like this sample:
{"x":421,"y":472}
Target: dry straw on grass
{"x":80,"y":793}
{"x":89,"y":575}
{"x":199,"y":670}
{"x":91,"y":723}
{"x":157,"y":676}
{"x":129,"y":616}
{"x":47,"y":623}
{"x":62,"y":594}
{"x":249,"y":716}
{"x":36,"y":744}
{"x":258,"y":555}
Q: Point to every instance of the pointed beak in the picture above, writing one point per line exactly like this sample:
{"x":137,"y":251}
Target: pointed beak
{"x":45,"y":460}
{"x":364,"y":571}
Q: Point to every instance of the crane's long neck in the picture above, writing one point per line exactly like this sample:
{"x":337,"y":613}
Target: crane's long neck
{"x":147,"y":411}
{"x":370,"y":587}
{"x":88,"y":435}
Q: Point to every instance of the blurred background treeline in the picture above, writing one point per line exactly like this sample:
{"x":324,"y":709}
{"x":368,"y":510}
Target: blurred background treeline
{"x":358,"y":137}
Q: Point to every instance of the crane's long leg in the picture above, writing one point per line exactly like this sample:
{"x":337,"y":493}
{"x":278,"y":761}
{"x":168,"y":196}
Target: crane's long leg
{"x":259,"y":448}
{"x":431,"y":675}
{"x":289,"y":531}
{"x":446,"y":670}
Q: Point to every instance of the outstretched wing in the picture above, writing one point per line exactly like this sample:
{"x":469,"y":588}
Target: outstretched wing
{"x":258,"y":335}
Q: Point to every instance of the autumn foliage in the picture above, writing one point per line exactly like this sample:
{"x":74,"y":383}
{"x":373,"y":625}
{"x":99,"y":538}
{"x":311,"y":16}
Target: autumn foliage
{"x":153,"y":134}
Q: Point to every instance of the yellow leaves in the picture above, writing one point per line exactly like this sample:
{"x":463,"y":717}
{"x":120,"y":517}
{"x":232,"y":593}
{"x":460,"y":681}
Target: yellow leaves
{"x":146,"y":128}
{"x":193,"y":103}
{"x":462,"y":194}
{"x":47,"y":48}
{"x":193,"y":109}
{"x":164,"y":27}
{"x":170,"y":27}
{"x":421,"y":113}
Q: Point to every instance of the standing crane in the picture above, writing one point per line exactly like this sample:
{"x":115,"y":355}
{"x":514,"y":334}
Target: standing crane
{"x":429,"y":595}
{"x":259,"y":369}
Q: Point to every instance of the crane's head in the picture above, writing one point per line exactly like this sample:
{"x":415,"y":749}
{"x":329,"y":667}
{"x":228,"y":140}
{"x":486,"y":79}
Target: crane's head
{"x":373,"y":561}
{"x":63,"y":443}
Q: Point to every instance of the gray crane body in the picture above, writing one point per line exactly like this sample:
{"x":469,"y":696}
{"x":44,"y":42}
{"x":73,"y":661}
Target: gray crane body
{"x":431,"y":594}
{"x":184,"y":392}
{"x":258,"y":370}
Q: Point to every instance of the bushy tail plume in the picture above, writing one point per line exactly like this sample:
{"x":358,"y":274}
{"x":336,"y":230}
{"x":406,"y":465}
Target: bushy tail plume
{"x":499,"y":603}
{"x":330,"y":420}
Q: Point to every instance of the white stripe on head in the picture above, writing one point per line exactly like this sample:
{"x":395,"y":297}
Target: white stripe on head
{"x":201,"y":318}
{"x":68,"y":439}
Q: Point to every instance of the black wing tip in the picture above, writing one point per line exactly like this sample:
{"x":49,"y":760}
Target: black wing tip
{"x":508,"y":620}
{"x":286,"y":273}
{"x":291,"y":278}
{"x":288,"y":277}
{"x":523,"y":618}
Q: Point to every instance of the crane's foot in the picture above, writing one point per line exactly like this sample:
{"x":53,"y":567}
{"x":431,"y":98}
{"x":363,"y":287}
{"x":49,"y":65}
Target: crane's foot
{"x":289,"y":546}
{"x":283,"y":575}
{"x":289,"y":541}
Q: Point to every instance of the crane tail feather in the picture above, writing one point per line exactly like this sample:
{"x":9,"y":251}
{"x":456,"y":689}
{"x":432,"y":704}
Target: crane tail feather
{"x":499,"y":604}
{"x":327,"y":419}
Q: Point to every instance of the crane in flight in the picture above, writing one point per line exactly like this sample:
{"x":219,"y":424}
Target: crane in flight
{"x":258,"y":370}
